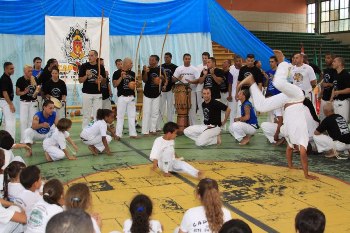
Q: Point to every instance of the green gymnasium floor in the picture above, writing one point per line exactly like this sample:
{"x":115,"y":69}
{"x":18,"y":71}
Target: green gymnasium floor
{"x":254,"y":181}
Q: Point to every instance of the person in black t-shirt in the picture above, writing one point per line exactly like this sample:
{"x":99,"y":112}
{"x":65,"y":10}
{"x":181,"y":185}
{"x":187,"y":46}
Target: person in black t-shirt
{"x":338,"y":138}
{"x":248,"y":69}
{"x":341,"y":90}
{"x":151,"y":95}
{"x":224,"y":87}
{"x":27,"y":90}
{"x":167,"y":96}
{"x":37,"y":70}
{"x":123,"y":80}
{"x":6,"y":99}
{"x":327,"y":82}
{"x":212,"y":77}
{"x":209,"y":133}
{"x":56,"y":88}
{"x":92,"y":97}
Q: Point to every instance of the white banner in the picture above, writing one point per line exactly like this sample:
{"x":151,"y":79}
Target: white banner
{"x":69,"y":40}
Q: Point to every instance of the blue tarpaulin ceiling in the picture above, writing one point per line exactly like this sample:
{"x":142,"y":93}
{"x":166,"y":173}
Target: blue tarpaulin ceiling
{"x":27,"y":17}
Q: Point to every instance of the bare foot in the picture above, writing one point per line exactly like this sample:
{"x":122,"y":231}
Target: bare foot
{"x":47,"y":156}
{"x":311,"y":177}
{"x":245,"y":140}
{"x":200,"y":175}
{"x":219,"y":139}
{"x":93,"y":150}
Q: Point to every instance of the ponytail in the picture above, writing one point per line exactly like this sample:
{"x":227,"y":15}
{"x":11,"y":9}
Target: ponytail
{"x":210,"y":197}
{"x":53,"y":191}
{"x":140,"y":210}
{"x":11,"y":172}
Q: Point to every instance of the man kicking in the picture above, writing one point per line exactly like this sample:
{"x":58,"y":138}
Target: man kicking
{"x":291,"y":99}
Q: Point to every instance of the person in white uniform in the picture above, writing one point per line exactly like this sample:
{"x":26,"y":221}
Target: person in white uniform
{"x":12,"y":185}
{"x":55,"y":144}
{"x":232,"y":99}
{"x":187,"y":74}
{"x":272,"y":130}
{"x":126,"y":98}
{"x":210,"y":215}
{"x":338,"y":138}
{"x":27,"y":90}
{"x":163,"y":154}
{"x":341,"y":91}
{"x":12,"y":217}
{"x":92,"y":97}
{"x":95,"y":134}
{"x":304,"y":77}
{"x":291,"y":99}
{"x":6,"y":99}
{"x":208,"y":133}
{"x":44,"y":210}
{"x":199,"y":88}
{"x":141,"y":210}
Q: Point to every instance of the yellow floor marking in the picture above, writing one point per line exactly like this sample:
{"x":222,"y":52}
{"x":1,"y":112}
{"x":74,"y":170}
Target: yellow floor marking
{"x":273,"y":195}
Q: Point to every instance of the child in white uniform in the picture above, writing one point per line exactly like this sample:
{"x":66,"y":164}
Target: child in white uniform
{"x":95,"y":135}
{"x":163,"y":153}
{"x":55,"y":143}
{"x":140,"y":222}
{"x":45,"y":209}
{"x":12,"y":185}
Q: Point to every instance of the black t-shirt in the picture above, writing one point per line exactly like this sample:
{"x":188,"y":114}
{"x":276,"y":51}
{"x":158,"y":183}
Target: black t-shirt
{"x":256,"y":72}
{"x":90,"y":86}
{"x":210,"y":82}
{"x":328,"y":77}
{"x":212,"y":112}
{"x":224,"y":84}
{"x":123,"y":87}
{"x":23,"y":83}
{"x":336,"y":127}
{"x":55,"y":89}
{"x":341,"y":82}
{"x":44,"y":77}
{"x":104,"y":89}
{"x":169,"y":70}
{"x":151,"y":90}
{"x":6,"y":85}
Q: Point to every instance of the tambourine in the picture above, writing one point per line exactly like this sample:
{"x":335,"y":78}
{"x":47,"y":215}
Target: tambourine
{"x":56,"y":102}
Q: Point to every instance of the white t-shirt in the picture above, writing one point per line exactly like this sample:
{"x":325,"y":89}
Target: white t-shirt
{"x":41,"y":213}
{"x":302,"y":76}
{"x":14,"y":190}
{"x":56,"y":138}
{"x":5,"y":215}
{"x":155,"y":226}
{"x":97,"y":129}
{"x":190,"y":73}
{"x":195,"y":220}
{"x":235,"y":72}
{"x":163,"y":151}
{"x":27,"y":199}
{"x":200,"y":69}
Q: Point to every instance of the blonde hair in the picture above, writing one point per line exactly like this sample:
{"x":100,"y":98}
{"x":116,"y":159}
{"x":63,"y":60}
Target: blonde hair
{"x":32,"y":79}
{"x":209,"y":193}
{"x":78,"y":196}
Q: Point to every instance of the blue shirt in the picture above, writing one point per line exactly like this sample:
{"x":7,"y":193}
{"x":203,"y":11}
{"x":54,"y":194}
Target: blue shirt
{"x":271,"y":89}
{"x":253,"y":120}
{"x":42,"y":119}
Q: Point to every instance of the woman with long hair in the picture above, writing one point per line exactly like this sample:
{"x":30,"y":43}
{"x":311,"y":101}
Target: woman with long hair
{"x":211,"y":215}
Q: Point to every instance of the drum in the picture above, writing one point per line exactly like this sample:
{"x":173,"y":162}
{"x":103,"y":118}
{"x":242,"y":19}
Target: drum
{"x":182,"y":96}
{"x":56,"y":102}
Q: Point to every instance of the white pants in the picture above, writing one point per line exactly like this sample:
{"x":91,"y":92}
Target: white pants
{"x":199,"y":101}
{"x":341,"y":107}
{"x":202,"y":135}
{"x":126,"y":104}
{"x":233,"y":105}
{"x":55,"y":153}
{"x":106,"y":104}
{"x":241,"y":129}
{"x":91,"y":102}
{"x":11,"y":227}
{"x":9,"y":118}
{"x":183,"y":167}
{"x":60,"y":112}
{"x":223,"y":100}
{"x":40,"y":100}
{"x":150,"y":114}
{"x":269,"y":130}
{"x":97,"y":142}
{"x":326,"y":143}
{"x":30,"y":135}
{"x":323,"y":103}
{"x":166,"y":105}
{"x":27,"y":110}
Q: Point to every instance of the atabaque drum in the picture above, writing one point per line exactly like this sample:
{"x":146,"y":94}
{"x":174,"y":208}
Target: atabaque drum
{"x":182,"y":95}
